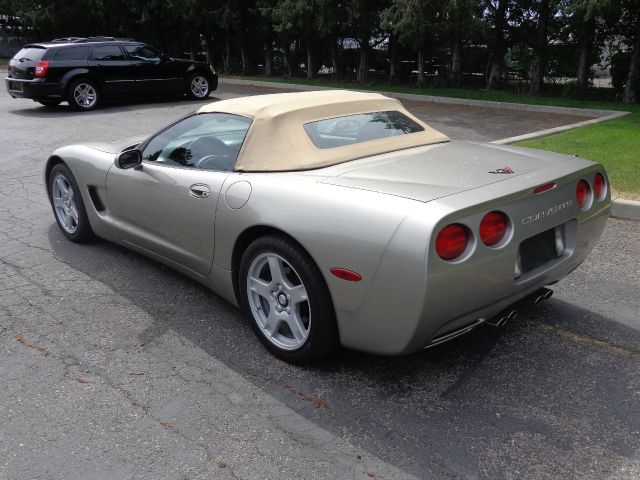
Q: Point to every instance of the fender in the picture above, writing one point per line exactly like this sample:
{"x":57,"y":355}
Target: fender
{"x":71,"y":75}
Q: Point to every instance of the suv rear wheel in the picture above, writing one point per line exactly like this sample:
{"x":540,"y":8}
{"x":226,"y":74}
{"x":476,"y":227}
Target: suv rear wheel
{"x":83,"y":95}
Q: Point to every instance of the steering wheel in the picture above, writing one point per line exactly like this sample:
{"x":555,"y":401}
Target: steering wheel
{"x":210,"y":153}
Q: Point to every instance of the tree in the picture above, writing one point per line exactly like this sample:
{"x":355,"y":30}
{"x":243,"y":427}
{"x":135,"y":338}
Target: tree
{"x":544,"y":9}
{"x":460,"y":23}
{"x":295,"y":18}
{"x":497,"y":15}
{"x":632,"y":18}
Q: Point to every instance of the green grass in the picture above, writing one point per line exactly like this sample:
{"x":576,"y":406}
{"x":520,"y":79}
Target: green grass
{"x":615,"y":143}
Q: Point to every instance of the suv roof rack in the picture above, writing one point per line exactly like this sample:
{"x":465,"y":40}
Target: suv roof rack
{"x":90,"y":39}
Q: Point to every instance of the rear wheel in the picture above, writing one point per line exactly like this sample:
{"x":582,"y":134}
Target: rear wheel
{"x":83,"y":95}
{"x":67,"y":204}
{"x":198,"y":86}
{"x":287,"y":299}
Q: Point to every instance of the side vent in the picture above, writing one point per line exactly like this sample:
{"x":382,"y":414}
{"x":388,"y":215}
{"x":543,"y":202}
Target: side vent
{"x":95,"y":199}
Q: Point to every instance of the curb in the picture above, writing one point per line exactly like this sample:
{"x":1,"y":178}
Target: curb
{"x":579,"y":112}
{"x":620,"y":208}
{"x":625,"y":209}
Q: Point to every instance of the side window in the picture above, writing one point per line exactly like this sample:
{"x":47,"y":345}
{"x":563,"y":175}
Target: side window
{"x":142,"y":52}
{"x":72,"y":53}
{"x":206,"y":141}
{"x":107,"y":53}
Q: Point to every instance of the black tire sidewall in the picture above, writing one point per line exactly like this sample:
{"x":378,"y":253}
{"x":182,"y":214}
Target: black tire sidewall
{"x":72,"y":101}
{"x":84,"y":232}
{"x":323,"y":334}
{"x":190,"y":79}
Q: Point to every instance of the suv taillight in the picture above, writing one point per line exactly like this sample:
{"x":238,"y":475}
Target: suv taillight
{"x":41,"y":69}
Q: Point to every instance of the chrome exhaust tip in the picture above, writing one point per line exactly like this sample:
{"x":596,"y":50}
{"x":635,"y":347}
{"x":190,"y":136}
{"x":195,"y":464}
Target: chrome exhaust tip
{"x":542,"y":294}
{"x":501,"y":320}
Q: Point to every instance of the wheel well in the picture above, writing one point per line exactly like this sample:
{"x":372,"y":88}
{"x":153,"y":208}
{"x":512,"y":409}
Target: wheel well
{"x":81,"y":76}
{"x":245,"y":239}
{"x":52,"y":162}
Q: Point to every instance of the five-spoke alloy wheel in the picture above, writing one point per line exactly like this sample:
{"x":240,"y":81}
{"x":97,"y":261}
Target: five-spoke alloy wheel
{"x":67,"y":204}
{"x":290,"y":305}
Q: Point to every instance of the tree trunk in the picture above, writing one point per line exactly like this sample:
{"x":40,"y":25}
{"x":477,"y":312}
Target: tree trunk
{"x":309,"y":60}
{"x":392,"y":59}
{"x":455,"y":74}
{"x":243,"y":55}
{"x":630,"y":94}
{"x":420,"y":66}
{"x":209,"y":52}
{"x":286,"y":65}
{"x":584,"y":67}
{"x":363,"y":64}
{"x":268,"y":63}
{"x":227,"y":54}
{"x":498,"y":47}
{"x":334,"y":62}
{"x":538,"y":65}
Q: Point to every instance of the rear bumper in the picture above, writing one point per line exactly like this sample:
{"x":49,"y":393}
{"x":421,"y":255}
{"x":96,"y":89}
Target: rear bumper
{"x":416,"y":299}
{"x":36,"y":89}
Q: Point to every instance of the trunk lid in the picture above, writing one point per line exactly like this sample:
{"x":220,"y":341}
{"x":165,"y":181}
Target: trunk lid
{"x":435,"y":171}
{"x":23,"y":64}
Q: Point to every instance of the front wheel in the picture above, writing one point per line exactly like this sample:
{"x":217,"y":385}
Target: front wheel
{"x":83,"y":95}
{"x":287,"y":299}
{"x":67,"y":204}
{"x":198,"y":86}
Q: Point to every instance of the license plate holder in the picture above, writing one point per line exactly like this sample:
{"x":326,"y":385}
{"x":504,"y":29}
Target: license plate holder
{"x":536,"y":251}
{"x":15,"y":86}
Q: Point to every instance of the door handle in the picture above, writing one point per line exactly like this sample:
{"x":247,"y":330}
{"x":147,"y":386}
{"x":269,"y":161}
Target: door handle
{"x":200,"y":190}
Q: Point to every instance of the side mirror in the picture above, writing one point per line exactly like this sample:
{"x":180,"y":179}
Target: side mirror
{"x":129,"y":159}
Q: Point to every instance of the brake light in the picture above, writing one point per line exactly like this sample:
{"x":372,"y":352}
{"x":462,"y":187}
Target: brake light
{"x":452,"y":241}
{"x":41,"y":69}
{"x":599,"y":186}
{"x":582,"y":193}
{"x":545,"y":187}
{"x":493,"y":228}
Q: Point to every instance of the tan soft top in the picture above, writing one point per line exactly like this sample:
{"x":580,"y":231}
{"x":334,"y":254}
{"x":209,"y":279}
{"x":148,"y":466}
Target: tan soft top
{"x":277,"y":141}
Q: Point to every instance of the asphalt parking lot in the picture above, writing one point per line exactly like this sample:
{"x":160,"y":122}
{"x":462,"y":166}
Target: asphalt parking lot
{"x":115,"y":367}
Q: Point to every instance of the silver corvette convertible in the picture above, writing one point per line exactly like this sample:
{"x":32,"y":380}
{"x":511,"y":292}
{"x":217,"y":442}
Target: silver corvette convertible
{"x":337,"y":218}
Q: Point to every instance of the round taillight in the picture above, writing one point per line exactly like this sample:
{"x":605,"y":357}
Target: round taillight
{"x":582,"y":193}
{"x":493,"y":228}
{"x":452,"y":241}
{"x":599,"y":186}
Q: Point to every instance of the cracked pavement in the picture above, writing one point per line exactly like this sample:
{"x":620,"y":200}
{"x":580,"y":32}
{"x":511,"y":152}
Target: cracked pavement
{"x":113,"y":366}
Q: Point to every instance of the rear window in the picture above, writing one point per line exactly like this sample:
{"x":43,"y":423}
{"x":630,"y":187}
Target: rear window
{"x":72,"y":53}
{"x":363,"y":127}
{"x":31,"y":54}
{"x":107,"y":53}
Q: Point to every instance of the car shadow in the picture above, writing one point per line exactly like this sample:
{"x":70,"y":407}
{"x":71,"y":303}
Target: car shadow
{"x":35,"y":110}
{"x":491,"y":398}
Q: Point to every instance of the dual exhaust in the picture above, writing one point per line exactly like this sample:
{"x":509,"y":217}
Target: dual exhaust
{"x":536,"y":297}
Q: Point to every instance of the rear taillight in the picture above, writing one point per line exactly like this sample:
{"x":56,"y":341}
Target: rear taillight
{"x":41,"y":69}
{"x":599,"y":186}
{"x":452,"y":241}
{"x":582,"y":193}
{"x":493,"y":228}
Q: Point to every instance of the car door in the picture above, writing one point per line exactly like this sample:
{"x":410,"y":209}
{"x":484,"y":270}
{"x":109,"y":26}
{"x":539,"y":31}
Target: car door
{"x":154,"y":71}
{"x":109,"y":65}
{"x":167,"y":205}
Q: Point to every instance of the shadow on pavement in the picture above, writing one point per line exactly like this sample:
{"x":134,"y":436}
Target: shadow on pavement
{"x":468,"y":408}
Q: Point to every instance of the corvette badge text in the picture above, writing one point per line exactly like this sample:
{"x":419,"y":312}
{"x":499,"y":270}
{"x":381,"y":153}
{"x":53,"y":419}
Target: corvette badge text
{"x":547,"y":213}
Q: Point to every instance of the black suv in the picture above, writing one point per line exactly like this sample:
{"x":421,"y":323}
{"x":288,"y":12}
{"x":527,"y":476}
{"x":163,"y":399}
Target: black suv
{"x":84,"y":71}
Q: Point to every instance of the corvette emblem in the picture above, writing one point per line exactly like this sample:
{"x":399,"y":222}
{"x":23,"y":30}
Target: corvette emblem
{"x":502,"y":170}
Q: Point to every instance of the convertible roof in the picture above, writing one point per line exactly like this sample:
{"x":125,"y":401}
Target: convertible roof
{"x":277,"y":141}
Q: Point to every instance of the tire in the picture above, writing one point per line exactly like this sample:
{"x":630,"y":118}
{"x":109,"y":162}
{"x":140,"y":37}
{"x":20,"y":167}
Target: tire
{"x":65,"y":199}
{"x":83,"y":94}
{"x":198,"y":86}
{"x":50,"y":103}
{"x":295,"y":300}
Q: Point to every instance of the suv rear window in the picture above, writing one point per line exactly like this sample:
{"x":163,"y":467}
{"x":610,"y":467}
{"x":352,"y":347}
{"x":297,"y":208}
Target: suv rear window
{"x":107,"y":53}
{"x":352,"y":129}
{"x":72,"y":53}
{"x":32,"y":54}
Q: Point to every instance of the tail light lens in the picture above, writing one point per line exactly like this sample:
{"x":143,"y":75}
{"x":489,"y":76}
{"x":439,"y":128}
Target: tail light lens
{"x":452,"y":241}
{"x":41,"y":69}
{"x":599,"y":186}
{"x":493,"y":228}
{"x":582,"y":193}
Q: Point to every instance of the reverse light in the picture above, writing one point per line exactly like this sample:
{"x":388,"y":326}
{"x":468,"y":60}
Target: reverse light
{"x":582,"y":193}
{"x":41,"y":69}
{"x":452,"y":241}
{"x":345,"y":274}
{"x":493,"y":228}
{"x":599,"y":186}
